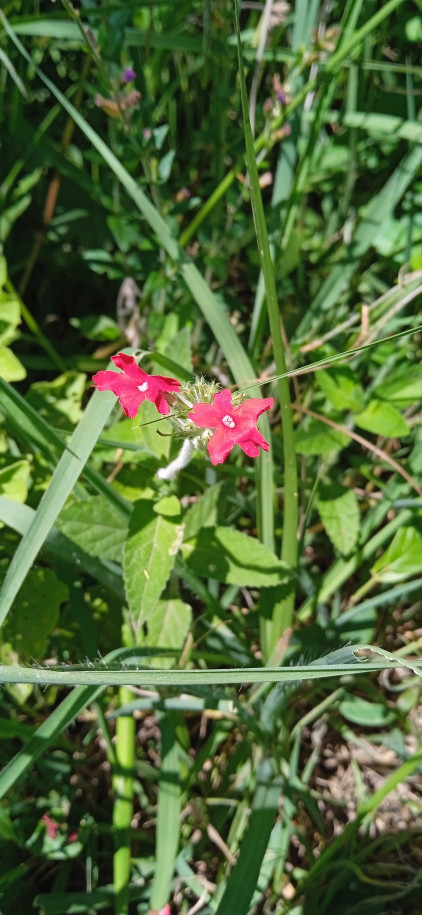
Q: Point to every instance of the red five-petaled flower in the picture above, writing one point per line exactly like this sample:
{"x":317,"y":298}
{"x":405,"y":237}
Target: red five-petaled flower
{"x":233,"y":425}
{"x":134,"y":385}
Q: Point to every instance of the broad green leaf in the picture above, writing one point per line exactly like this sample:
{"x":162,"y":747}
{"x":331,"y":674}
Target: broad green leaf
{"x":203,"y":512}
{"x":382,"y":419}
{"x":98,"y":528}
{"x":319,"y":439}
{"x":341,"y":387}
{"x":150,"y":552}
{"x":11,"y":369}
{"x":404,"y":388}
{"x":402,"y":558}
{"x":232,"y":557}
{"x":30,"y":625}
{"x":367,"y":714}
{"x":168,"y":627}
{"x":339,"y":513}
{"x":59,"y":401}
{"x":14,"y":481}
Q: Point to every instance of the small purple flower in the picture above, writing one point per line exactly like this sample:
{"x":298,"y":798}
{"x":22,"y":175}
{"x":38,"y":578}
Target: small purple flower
{"x":128,"y":75}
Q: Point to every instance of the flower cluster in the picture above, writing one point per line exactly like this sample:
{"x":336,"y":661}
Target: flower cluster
{"x":201,"y":414}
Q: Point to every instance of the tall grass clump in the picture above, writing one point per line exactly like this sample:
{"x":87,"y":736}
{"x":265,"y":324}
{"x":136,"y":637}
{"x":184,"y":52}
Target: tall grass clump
{"x":210,"y":457}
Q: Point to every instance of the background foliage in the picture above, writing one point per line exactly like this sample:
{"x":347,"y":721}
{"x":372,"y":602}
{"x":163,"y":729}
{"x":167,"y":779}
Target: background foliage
{"x":126,"y":223}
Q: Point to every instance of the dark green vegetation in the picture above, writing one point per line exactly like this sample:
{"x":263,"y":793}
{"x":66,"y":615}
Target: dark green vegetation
{"x":236,"y":786}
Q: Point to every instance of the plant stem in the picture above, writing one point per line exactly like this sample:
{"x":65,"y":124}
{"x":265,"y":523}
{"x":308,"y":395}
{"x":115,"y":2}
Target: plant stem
{"x":123,"y":803}
{"x":283,"y":610}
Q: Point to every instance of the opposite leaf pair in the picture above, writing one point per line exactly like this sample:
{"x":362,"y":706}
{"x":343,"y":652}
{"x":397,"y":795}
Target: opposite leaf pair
{"x":191,"y":408}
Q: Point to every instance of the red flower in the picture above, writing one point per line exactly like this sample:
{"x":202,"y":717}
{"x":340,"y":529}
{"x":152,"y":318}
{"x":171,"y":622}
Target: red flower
{"x":134,"y":385}
{"x":233,"y":425}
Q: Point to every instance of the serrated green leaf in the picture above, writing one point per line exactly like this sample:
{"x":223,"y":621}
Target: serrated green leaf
{"x":98,"y":528}
{"x":11,"y":369}
{"x":402,"y":558}
{"x":382,"y":419}
{"x":341,"y":387}
{"x":339,"y":513}
{"x":232,"y":557}
{"x":149,"y":556}
{"x":319,"y":439}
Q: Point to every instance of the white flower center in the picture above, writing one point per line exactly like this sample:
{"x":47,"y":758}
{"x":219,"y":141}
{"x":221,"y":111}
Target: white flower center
{"x":143,"y":387}
{"x":228,"y":421}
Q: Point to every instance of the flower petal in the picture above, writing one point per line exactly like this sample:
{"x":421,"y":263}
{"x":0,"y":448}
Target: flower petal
{"x":219,"y":446}
{"x":206,"y":415}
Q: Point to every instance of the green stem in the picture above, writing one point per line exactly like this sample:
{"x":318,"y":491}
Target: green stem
{"x":283,"y":611}
{"x":262,"y":141}
{"x":123,"y":803}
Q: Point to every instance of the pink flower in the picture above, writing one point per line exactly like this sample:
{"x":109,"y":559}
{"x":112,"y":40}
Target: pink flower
{"x":134,"y":385}
{"x":51,"y":826}
{"x":233,"y":425}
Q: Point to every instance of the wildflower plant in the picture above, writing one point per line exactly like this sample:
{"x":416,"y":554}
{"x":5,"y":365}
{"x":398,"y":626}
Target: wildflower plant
{"x":204,"y":416}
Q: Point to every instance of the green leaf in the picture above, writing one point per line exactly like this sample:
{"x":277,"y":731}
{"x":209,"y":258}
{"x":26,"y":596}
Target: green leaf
{"x":341,"y":387}
{"x":98,"y":528}
{"x":367,"y":714}
{"x":143,"y":433}
{"x":11,"y":369}
{"x":319,"y":439}
{"x":97,"y":327}
{"x":59,"y":401}
{"x":14,"y":481}
{"x":382,"y":419}
{"x":402,"y":558}
{"x":413,"y":29}
{"x":150,"y":552}
{"x":10,"y":316}
{"x":67,"y":472}
{"x":203,"y":512}
{"x":232,"y":557}
{"x":339,"y":513}
{"x":30,"y":625}
{"x":168,"y":627}
{"x":179,"y":349}
{"x":168,"y":813}
{"x":404,"y":388}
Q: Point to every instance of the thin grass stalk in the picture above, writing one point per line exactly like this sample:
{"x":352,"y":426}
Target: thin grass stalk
{"x":123,"y":781}
{"x":262,"y":141}
{"x":284,"y":609}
